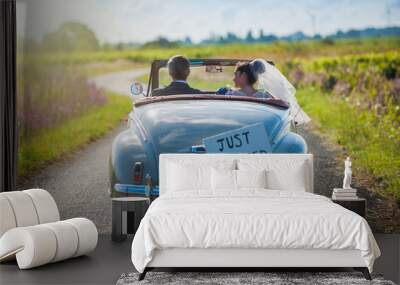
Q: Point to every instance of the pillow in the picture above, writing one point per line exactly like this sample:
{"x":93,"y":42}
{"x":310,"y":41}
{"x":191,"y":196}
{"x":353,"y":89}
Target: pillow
{"x":282,"y":174}
{"x":223,"y":179}
{"x":251,"y":178}
{"x":226,"y":179}
{"x":293,"y":180}
{"x":184,"y":175}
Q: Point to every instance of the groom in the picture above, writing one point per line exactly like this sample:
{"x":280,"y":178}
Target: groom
{"x":179,"y":70}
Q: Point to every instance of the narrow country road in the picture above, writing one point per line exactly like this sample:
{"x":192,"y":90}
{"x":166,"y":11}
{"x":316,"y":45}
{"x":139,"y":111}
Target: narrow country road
{"x":80,"y":182}
{"x":119,"y":82}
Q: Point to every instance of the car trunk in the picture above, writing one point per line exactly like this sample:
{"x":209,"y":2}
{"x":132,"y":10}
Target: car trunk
{"x":175,"y":126}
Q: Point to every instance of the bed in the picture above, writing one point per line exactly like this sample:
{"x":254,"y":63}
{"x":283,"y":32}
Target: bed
{"x":247,"y":210}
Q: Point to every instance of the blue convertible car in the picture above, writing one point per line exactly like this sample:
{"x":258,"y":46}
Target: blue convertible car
{"x":186,"y":123}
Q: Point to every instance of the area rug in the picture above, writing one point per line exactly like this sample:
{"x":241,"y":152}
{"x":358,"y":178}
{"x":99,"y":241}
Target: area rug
{"x":230,"y":278}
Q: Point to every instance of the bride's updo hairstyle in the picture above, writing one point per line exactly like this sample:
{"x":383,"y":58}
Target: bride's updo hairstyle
{"x":251,"y":69}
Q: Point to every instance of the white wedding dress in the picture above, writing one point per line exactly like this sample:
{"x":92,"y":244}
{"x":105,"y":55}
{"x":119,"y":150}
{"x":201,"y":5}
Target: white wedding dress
{"x":273,"y":84}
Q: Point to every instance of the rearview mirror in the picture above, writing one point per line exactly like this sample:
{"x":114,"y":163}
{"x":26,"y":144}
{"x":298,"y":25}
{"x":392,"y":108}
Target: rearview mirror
{"x":213,"y":68}
{"x":136,"y":88}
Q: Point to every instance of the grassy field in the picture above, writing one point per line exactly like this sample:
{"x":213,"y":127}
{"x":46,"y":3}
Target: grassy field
{"x":356,"y":101}
{"x":54,"y":143}
{"x":59,"y":110}
{"x":364,"y":137}
{"x":278,"y":51}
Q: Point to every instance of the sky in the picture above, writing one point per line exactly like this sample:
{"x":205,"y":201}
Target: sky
{"x":142,"y":20}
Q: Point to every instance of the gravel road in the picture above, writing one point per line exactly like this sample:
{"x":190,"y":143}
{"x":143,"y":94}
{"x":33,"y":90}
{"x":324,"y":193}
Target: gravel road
{"x":118,"y":82}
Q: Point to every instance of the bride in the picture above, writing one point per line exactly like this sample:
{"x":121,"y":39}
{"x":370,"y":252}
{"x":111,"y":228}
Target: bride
{"x":271,"y":84}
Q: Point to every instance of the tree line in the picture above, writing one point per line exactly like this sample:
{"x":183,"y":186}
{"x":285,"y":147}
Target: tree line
{"x":75,"y":36}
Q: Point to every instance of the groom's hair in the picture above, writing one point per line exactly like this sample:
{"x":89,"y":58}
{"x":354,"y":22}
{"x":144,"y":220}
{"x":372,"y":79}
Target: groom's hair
{"x":178,"y":67}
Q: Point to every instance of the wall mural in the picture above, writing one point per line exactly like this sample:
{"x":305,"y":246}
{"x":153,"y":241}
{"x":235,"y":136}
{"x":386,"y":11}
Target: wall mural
{"x":98,"y":103}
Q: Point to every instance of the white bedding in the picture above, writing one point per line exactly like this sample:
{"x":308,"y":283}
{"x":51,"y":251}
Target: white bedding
{"x":252,"y":218}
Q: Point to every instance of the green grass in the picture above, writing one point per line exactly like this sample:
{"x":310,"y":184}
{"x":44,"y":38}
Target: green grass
{"x":53,"y":144}
{"x":276,"y":51}
{"x":366,"y":139}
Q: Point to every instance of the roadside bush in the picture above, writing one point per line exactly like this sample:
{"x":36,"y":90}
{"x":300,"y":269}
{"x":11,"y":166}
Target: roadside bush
{"x":49,"y":95}
{"x":367,"y":81}
{"x":329,"y":83}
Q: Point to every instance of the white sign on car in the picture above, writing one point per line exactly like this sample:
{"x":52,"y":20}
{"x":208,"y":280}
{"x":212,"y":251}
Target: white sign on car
{"x":248,"y":139}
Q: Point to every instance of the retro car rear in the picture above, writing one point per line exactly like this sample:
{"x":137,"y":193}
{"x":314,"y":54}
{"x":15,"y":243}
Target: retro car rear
{"x":178,"y":124}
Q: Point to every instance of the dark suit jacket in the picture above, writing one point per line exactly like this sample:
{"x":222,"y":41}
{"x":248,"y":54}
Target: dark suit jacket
{"x":175,"y":88}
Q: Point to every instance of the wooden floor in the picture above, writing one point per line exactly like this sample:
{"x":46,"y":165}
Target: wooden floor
{"x":110,"y":259}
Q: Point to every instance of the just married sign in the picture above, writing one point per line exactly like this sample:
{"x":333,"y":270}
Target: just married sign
{"x":249,"y":139}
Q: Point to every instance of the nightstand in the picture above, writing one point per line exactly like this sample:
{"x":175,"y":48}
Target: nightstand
{"x":358,"y":205}
{"x":127,"y":212}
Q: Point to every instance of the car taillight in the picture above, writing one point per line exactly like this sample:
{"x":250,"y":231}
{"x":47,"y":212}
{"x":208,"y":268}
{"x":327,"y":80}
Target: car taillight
{"x":137,"y":173}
